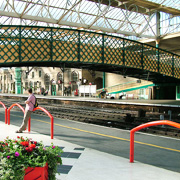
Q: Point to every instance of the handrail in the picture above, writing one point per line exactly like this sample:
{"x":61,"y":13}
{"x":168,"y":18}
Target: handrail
{"x":153,"y":123}
{"x":16,"y":104}
{"x":137,"y":55}
{"x":4,"y":106}
{"x":125,"y":86}
{"x":52,"y":120}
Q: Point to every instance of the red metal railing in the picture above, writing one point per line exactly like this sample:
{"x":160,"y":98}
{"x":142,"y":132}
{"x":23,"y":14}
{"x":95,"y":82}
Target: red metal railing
{"x":153,"y":123}
{"x":11,"y":108}
{"x":29,"y":122}
{"x":52,"y":120}
{"x":5,"y":111}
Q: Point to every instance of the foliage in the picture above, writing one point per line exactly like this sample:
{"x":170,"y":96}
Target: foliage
{"x":18,"y":154}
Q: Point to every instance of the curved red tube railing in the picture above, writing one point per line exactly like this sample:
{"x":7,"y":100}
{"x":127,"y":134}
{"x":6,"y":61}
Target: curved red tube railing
{"x":153,"y":123}
{"x":4,"y":106}
{"x":11,"y":108}
{"x":52,"y":120}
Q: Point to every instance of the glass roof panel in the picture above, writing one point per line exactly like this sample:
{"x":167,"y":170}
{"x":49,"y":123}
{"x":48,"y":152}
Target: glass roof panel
{"x":92,"y":15}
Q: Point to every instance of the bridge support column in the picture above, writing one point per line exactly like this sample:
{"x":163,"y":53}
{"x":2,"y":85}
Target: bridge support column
{"x":104,"y":79}
{"x":18,"y":81}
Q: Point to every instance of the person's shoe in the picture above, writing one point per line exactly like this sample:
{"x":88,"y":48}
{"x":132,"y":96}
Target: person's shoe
{"x":18,"y":131}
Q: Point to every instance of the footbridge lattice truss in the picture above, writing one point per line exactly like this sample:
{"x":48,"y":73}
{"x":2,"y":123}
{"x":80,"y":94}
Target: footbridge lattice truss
{"x":48,"y":46}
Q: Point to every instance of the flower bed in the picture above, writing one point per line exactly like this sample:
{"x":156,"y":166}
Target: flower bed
{"x":19,"y":154}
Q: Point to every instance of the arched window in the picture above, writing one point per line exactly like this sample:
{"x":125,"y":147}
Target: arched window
{"x":30,"y":84}
{"x":74,"y":79}
{"x":46,"y":81}
{"x":74,"y":76}
{"x":59,"y":80}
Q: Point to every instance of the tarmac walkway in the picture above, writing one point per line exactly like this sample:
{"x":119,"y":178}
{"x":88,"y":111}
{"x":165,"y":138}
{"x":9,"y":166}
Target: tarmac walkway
{"x":81,"y":163}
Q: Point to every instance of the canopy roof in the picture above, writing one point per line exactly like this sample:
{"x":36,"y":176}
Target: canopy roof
{"x":132,"y":18}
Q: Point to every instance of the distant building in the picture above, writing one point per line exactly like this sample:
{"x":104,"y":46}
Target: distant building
{"x":52,"y":80}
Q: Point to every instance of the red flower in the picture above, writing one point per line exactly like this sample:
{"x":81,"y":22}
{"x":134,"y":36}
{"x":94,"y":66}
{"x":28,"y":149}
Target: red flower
{"x":18,"y":137}
{"x":24,"y":143}
{"x":29,"y":149}
{"x":32,"y":146}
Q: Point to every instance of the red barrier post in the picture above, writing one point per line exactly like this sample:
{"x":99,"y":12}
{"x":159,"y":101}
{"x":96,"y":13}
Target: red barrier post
{"x":153,"y":123}
{"x":52,"y":119}
{"x":29,"y":125}
{"x":6,"y":116}
{"x":11,"y":108}
{"x":5,"y":111}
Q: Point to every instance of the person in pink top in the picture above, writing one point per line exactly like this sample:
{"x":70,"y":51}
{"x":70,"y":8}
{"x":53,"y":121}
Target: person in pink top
{"x":29,"y":109}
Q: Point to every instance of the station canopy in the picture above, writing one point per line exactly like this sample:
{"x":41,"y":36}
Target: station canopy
{"x":134,"y":19}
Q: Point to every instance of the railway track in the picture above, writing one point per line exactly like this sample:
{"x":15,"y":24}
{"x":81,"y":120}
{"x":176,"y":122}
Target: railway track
{"x":116,"y":118}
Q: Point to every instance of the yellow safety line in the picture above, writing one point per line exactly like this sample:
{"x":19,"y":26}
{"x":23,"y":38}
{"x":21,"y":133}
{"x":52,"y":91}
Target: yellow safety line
{"x":114,"y":137}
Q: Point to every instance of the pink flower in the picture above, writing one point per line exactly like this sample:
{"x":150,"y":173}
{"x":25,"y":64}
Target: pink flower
{"x":16,"y":154}
{"x":53,"y":147}
{"x":8,"y":157}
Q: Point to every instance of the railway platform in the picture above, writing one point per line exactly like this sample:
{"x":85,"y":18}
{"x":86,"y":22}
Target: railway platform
{"x":143,"y":102}
{"x":82,"y":163}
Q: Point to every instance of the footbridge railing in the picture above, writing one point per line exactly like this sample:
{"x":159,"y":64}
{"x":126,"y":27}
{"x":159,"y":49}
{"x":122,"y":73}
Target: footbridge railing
{"x":153,"y":123}
{"x":125,"y":87}
{"x":29,"y":45}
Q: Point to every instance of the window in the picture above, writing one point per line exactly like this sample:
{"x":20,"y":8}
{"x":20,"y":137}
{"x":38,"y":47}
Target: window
{"x":26,"y":85}
{"x":39,"y":73}
{"x":1,"y":77}
{"x":26,"y":75}
{"x":12,"y":86}
{"x":32,"y":74}
{"x":11,"y":77}
{"x":35,"y":85}
{"x":30,"y":84}
{"x":74,"y":76}
{"x":5,"y":77}
{"x":39,"y":85}
{"x":46,"y":81}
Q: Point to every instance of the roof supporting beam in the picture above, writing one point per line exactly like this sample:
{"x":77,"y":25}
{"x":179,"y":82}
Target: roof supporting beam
{"x":144,"y":6}
{"x":74,"y":5}
{"x":66,"y":23}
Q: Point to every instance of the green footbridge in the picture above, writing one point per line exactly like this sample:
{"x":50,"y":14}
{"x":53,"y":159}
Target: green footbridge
{"x":60,"y":47}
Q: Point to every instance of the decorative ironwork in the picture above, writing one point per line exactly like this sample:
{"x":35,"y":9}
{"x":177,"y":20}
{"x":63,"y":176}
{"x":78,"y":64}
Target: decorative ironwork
{"x":20,"y":45}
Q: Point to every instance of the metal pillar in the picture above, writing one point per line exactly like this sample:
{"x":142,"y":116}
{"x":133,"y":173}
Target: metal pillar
{"x":104,"y":79}
{"x":18,"y":81}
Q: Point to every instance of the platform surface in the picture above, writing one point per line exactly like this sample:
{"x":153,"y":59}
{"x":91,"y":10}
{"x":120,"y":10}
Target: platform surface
{"x":83,"y":163}
{"x":153,"y":102}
